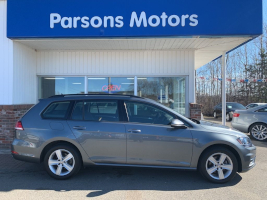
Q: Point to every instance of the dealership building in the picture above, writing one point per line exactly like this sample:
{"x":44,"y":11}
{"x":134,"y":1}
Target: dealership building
{"x":149,"y":48}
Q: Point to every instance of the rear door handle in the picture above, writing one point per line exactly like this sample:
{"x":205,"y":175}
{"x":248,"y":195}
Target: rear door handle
{"x":79,"y":127}
{"x":134,"y":131}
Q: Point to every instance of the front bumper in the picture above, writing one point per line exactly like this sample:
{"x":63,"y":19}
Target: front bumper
{"x":249,"y":159}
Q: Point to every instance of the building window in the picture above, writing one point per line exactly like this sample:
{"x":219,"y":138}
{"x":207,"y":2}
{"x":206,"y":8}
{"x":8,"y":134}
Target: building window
{"x":49,"y":86}
{"x":169,"y":91}
{"x":111,"y":85}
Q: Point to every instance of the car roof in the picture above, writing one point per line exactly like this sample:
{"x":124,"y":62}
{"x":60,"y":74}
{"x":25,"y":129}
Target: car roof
{"x":258,"y":107}
{"x":93,"y":96}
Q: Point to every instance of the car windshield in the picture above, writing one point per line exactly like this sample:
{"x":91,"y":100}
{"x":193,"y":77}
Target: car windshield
{"x":235,"y":106}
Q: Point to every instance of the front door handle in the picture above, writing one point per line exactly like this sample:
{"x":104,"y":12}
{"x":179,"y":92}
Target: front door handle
{"x":134,"y":131}
{"x":79,"y":127}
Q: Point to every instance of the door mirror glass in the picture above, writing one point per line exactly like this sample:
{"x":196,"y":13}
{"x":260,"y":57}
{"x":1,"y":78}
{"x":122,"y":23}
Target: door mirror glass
{"x":176,"y":123}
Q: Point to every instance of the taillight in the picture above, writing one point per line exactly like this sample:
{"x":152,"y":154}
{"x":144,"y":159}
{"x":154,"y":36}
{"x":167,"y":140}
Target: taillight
{"x":14,"y":152}
{"x":19,"y":126}
{"x":236,"y":115}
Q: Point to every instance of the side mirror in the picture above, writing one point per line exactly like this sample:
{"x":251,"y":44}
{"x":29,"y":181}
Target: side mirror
{"x":176,"y":123}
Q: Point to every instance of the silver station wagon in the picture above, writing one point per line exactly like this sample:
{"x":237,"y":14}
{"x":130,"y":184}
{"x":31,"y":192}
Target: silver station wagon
{"x":67,"y":132}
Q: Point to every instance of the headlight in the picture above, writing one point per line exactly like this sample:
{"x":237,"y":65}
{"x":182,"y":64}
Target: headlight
{"x":245,"y":141}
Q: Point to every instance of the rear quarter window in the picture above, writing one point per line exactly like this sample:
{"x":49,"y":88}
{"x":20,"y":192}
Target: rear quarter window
{"x":56,"y":110}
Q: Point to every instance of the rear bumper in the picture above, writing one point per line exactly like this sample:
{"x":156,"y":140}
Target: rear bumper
{"x":240,"y":127}
{"x":25,"y":151}
{"x":26,"y":158}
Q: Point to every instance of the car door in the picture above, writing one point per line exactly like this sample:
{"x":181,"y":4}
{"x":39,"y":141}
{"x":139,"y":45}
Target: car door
{"x":152,"y":141}
{"x":261,"y":115}
{"x":97,"y":126}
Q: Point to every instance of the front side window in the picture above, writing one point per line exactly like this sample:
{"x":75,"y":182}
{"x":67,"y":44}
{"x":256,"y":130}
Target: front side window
{"x":146,"y":113}
{"x":169,"y":91}
{"x":96,"y":111}
{"x":56,"y":110}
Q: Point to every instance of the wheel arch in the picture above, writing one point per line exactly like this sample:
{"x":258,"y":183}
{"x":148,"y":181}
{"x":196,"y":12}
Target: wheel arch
{"x":51,"y":144}
{"x":239,"y":169}
{"x":254,"y":124}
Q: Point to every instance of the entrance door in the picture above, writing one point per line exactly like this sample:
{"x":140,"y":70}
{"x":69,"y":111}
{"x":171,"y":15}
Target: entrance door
{"x":152,"y":141}
{"x":98,"y":129}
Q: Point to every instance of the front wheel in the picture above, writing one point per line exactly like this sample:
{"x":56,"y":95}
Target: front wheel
{"x":258,"y":131}
{"x":218,"y":165}
{"x":62,"y":161}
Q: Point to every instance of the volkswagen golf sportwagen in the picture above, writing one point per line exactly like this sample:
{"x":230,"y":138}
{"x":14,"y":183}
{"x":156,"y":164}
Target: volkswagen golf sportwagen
{"x":67,"y":132}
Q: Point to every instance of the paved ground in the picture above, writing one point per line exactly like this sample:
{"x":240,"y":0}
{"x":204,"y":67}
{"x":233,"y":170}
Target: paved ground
{"x":20,"y":180}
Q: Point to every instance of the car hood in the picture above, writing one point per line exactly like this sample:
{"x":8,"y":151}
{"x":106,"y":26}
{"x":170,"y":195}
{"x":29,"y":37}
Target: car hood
{"x":218,"y":128}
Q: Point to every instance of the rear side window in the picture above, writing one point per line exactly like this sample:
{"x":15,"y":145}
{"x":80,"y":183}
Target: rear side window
{"x":263,"y":110}
{"x":96,"y":111}
{"x":57,"y":110}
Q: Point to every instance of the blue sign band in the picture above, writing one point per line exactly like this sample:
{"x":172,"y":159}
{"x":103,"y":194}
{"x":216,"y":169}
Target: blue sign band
{"x":135,"y":18}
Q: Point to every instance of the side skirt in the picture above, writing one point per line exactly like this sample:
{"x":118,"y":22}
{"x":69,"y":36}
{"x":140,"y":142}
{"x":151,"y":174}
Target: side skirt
{"x":148,"y":166}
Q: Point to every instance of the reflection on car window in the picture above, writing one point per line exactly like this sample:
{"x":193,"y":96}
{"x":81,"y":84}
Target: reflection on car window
{"x":145,"y":113}
{"x":263,"y":110}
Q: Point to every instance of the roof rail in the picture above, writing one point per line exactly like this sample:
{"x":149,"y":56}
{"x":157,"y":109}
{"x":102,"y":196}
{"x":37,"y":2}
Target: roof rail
{"x":92,"y":94}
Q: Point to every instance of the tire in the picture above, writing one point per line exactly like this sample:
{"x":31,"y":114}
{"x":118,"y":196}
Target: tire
{"x":228,"y":118}
{"x":70,"y":167}
{"x":219,"y":173}
{"x":258,"y":131}
{"x":215,"y":115}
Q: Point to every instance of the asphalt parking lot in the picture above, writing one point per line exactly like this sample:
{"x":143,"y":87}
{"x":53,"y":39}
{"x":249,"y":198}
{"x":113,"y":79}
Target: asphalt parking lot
{"x":21,"y":180}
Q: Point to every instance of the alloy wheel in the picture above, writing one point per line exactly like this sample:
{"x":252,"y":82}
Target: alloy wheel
{"x":214,"y":115}
{"x":61,"y":162}
{"x":219,"y":166}
{"x":259,"y":132}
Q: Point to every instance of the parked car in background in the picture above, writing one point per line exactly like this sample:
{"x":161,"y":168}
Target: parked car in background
{"x":253,"y":105}
{"x":230,"y":108}
{"x":67,"y":132}
{"x":253,"y":120}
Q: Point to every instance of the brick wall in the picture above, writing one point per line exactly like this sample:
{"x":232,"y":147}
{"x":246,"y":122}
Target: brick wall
{"x":9,"y":115}
{"x":195,"y":111}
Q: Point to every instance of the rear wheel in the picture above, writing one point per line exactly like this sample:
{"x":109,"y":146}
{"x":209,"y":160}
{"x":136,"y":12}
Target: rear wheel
{"x":62,"y":161}
{"x":228,"y":118}
{"x":218,"y":165}
{"x":258,"y":131}
{"x":215,"y":115}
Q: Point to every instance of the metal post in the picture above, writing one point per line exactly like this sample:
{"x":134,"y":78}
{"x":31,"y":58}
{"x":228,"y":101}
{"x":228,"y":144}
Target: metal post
{"x":223,"y":89}
{"x":135,"y":86}
{"x":85,"y":85}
